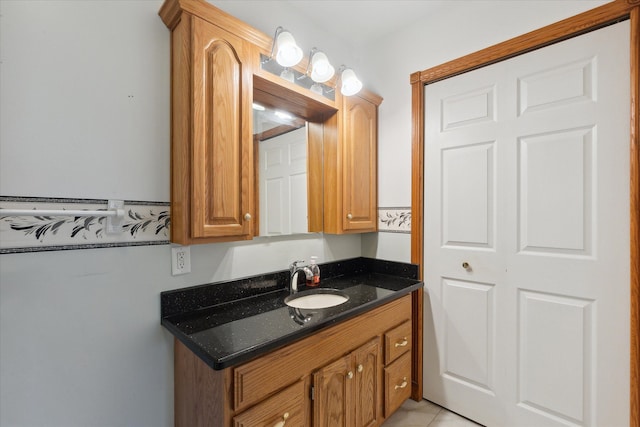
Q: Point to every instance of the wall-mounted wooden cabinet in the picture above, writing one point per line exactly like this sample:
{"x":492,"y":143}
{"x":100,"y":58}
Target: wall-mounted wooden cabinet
{"x":350,"y":161}
{"x":211,"y":150}
{"x":215,"y":75}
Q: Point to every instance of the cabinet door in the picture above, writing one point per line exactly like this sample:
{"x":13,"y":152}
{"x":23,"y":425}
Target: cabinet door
{"x":368,"y":375}
{"x":333,"y":394}
{"x":221,"y":155}
{"x":360,"y":146}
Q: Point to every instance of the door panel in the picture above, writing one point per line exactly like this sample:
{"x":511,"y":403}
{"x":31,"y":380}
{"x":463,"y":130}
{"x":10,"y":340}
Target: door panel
{"x":526,"y":237}
{"x":555,"y":170}
{"x":555,"y":332}
{"x":466,"y":341}
{"x":474,"y":194}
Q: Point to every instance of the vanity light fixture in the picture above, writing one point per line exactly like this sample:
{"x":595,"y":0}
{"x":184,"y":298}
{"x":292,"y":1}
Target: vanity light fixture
{"x":350,"y":84}
{"x":287,"y":52}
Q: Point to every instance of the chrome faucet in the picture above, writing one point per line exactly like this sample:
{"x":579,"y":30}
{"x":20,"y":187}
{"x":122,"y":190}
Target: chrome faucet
{"x":295,"y":268}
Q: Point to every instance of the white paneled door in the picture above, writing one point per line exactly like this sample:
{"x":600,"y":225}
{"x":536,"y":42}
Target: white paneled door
{"x":527,"y":237}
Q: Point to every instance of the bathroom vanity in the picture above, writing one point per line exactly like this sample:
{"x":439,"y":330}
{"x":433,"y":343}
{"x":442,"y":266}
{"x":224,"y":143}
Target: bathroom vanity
{"x":245,"y":358}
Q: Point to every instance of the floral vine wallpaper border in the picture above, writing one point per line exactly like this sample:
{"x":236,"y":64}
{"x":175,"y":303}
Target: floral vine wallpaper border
{"x":394,"y":220}
{"x":145,"y":223}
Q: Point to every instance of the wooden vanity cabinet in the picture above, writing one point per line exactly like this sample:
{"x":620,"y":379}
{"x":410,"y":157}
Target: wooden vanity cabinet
{"x":350,"y":159}
{"x":332,"y":378}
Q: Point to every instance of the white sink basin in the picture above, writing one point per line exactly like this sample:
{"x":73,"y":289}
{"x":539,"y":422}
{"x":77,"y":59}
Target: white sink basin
{"x":316,"y":298}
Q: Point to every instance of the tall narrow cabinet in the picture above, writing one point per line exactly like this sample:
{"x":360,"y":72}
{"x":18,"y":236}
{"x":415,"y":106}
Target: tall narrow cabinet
{"x":211,"y":150}
{"x":350,"y":162}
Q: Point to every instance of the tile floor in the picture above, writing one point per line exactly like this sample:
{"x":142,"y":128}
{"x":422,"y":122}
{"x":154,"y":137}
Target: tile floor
{"x":425,"y":413}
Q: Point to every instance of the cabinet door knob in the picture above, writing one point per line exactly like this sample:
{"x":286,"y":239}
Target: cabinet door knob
{"x":466,"y":265}
{"x":350,"y":374}
{"x":402,"y":343}
{"x":360,"y":368}
{"x":403,"y":385}
{"x":247,"y":216}
{"x":349,"y":216}
{"x":284,"y":420}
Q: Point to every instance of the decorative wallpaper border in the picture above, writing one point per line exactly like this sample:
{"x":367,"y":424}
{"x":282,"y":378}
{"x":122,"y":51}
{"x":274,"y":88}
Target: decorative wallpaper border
{"x":145,"y":223}
{"x":394,"y":220}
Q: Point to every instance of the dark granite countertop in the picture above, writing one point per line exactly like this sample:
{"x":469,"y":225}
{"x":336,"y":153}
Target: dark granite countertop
{"x":231,"y":322}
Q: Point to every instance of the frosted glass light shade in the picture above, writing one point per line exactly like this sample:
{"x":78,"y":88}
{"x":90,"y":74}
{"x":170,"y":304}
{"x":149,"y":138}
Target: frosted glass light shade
{"x":289,"y":53}
{"x":350,"y":83}
{"x":321,"y":69}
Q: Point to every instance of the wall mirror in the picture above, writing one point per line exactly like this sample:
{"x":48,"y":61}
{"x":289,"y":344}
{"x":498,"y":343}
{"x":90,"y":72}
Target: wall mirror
{"x":287,"y":144}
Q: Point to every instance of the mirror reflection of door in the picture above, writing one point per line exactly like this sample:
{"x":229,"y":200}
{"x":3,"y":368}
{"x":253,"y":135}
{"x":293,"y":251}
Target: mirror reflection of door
{"x":283,"y":184}
{"x":282,"y":173}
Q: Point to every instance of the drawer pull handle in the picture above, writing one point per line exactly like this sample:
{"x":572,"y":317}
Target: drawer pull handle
{"x":402,"y":343}
{"x":403,"y":385}
{"x":350,"y":374}
{"x":284,"y":420}
{"x":360,"y":368}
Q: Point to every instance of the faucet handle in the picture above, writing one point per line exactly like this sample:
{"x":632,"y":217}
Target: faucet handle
{"x":294,"y":264}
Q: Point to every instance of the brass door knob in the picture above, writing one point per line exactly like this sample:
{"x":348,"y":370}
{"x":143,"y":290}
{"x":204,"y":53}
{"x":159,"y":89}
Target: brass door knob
{"x":247,"y":216}
{"x":349,"y":216}
{"x":350,"y":374}
{"x":466,"y":266}
{"x":360,"y":368}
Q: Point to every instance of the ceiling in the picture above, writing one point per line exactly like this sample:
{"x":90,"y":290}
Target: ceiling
{"x":375,"y":18}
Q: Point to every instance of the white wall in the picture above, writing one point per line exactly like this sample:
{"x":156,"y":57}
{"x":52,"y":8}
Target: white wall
{"x":84,"y":112}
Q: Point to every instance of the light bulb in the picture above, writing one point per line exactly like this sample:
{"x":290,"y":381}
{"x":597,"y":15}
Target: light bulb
{"x":350,"y":83}
{"x":289,"y":53}
{"x":321,"y":69}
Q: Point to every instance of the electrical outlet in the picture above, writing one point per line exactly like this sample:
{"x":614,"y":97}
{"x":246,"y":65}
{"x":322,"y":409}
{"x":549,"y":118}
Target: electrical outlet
{"x":180,"y":260}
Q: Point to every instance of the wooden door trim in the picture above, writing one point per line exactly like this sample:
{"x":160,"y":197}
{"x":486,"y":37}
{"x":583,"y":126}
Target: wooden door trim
{"x":617,"y":10}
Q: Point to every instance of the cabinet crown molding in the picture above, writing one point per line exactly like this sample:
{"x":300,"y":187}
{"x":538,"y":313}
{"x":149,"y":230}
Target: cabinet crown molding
{"x":171,"y":12}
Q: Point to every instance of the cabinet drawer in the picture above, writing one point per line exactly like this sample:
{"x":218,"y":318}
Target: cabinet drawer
{"x":397,"y":341}
{"x":285,"y":408}
{"x":397,"y":383}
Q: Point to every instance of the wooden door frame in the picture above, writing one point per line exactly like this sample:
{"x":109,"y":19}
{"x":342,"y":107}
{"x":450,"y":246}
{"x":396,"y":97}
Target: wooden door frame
{"x":617,"y":10}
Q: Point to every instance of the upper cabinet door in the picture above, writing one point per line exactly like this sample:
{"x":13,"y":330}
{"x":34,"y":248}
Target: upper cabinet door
{"x":222,"y":154}
{"x":211,"y":144}
{"x":350,"y":156}
{"x":359,"y":150}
